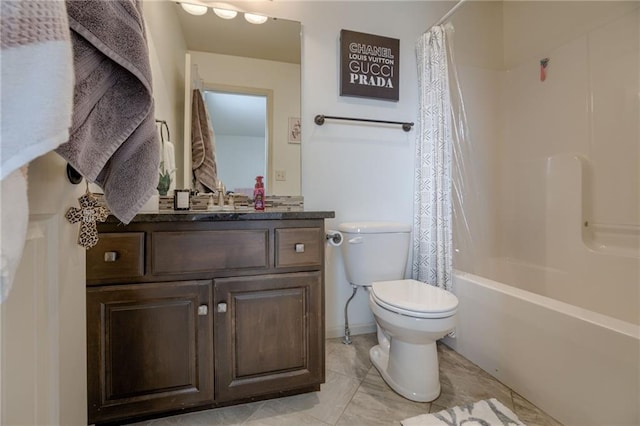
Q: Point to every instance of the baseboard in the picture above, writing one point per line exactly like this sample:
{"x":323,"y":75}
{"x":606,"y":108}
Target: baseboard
{"x":338,"y":331}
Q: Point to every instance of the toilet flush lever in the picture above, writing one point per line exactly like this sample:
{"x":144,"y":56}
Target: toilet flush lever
{"x":356,"y":240}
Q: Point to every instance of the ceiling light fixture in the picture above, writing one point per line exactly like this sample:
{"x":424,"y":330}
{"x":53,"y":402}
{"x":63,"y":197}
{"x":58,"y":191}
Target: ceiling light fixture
{"x":225,"y":13}
{"x":194,"y":9}
{"x":255,"y":19}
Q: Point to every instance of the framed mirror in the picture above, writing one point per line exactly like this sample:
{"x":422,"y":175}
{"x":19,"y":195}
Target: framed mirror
{"x":230,"y":61}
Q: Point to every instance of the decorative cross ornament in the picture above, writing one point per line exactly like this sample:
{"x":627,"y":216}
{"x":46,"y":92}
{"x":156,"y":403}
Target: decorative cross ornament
{"x":88,"y":215}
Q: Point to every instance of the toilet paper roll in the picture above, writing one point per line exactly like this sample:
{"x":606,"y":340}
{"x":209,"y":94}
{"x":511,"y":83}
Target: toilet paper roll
{"x":335,"y":238}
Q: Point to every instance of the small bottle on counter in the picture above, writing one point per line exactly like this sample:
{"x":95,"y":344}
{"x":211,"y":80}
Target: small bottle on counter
{"x":258,"y":194}
{"x":221,"y":191}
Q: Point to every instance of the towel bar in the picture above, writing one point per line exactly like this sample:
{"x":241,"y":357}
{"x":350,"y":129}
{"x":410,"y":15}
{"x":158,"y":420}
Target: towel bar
{"x":319,"y":120}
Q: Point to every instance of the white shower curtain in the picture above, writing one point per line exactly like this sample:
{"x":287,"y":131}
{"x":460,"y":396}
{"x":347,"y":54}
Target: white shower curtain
{"x":432,"y":227}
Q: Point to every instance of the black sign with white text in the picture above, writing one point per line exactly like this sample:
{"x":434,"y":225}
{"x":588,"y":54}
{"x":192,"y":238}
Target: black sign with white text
{"x":369,"y":65}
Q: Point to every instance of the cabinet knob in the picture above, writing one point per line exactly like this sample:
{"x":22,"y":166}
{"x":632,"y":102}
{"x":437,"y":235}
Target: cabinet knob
{"x":110,"y":256}
{"x":203,"y":310}
{"x":222,"y":307}
{"x":299,"y":248}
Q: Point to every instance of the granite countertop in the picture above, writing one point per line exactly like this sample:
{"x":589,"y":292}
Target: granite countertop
{"x":207,"y":216}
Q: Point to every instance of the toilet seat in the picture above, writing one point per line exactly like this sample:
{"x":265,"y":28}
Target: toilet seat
{"x":413,"y":298}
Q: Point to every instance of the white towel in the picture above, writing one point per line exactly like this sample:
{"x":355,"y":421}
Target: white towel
{"x":37,"y":80}
{"x":36,"y":103}
{"x":13,"y":227}
{"x":169,"y":162}
{"x":487,"y":412}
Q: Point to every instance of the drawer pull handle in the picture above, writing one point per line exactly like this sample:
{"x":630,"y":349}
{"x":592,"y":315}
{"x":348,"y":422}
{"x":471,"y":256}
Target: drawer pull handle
{"x":222,"y":307}
{"x":110,"y":256}
{"x":203,"y":310}
{"x":299,"y":248}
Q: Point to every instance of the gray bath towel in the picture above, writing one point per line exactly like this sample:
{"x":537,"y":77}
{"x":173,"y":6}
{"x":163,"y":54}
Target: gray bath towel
{"x":113,"y":140}
{"x":203,"y":160}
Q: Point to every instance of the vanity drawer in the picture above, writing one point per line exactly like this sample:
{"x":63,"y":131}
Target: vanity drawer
{"x":199,"y":251}
{"x":299,"y":247}
{"x":117,"y":255}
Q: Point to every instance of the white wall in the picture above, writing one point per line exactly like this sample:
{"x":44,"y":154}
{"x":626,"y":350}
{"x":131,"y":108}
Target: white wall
{"x":167,"y":49}
{"x":43,"y":329}
{"x":362,"y":172}
{"x":240,"y":159}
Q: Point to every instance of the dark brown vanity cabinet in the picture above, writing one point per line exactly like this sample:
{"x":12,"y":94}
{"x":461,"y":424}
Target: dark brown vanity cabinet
{"x":182,"y":315}
{"x":149,"y":348}
{"x":267,"y":335}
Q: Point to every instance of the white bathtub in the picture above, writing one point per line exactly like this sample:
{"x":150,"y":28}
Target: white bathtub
{"x":581,"y":367}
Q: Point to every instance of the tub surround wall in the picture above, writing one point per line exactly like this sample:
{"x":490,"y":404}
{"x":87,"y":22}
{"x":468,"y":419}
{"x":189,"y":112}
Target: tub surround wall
{"x":477,"y":47}
{"x":607,"y":278}
{"x":588,"y":106}
{"x":561,"y":152}
{"x":555,"y":154}
{"x":580,"y":367}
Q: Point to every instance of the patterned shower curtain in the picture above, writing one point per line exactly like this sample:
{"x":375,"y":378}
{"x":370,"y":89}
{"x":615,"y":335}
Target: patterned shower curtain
{"x":432,"y":227}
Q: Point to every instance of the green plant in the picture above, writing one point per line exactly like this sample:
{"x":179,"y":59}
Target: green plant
{"x":164,"y":181}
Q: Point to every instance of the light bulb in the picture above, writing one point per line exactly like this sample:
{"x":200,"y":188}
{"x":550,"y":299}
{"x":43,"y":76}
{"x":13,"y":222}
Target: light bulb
{"x":194,"y":9}
{"x":255,"y":19}
{"x":225,"y":13}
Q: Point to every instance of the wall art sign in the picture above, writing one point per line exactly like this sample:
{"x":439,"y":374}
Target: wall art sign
{"x":369,"y":66}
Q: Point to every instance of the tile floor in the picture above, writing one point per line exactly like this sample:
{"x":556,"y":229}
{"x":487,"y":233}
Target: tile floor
{"x":354,"y":394}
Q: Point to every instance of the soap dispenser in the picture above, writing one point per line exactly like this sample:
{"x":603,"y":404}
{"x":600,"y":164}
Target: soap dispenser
{"x":258,"y":194}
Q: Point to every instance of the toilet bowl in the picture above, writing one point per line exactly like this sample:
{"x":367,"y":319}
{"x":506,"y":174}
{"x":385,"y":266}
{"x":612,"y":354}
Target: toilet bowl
{"x":411,"y":316}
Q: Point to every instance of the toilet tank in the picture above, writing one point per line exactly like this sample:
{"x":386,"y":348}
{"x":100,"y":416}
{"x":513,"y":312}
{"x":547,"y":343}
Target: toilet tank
{"x":375,"y":251}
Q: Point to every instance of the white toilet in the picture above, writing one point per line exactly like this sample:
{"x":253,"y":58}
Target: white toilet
{"x":410,"y":315}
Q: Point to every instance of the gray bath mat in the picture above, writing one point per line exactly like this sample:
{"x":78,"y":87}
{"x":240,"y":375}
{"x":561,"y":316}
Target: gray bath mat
{"x":490,"y":412}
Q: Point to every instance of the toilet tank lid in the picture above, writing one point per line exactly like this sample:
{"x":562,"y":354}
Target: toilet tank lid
{"x":374,"y":227}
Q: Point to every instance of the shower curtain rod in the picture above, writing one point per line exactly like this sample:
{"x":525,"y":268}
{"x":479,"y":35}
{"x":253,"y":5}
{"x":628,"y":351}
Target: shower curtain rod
{"x":448,"y":14}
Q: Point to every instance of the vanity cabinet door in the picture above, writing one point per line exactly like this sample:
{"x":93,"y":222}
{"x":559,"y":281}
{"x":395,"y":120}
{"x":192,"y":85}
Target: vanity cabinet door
{"x":269,"y":332}
{"x":149,"y":348}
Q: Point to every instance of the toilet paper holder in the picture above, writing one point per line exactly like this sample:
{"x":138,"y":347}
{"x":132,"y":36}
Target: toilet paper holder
{"x":334,"y":238}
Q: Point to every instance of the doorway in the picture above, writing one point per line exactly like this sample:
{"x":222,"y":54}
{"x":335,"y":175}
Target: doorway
{"x":240,"y":120}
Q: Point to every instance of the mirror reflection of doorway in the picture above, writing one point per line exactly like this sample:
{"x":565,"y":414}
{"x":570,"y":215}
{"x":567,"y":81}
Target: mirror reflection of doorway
{"x":240,"y":126}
